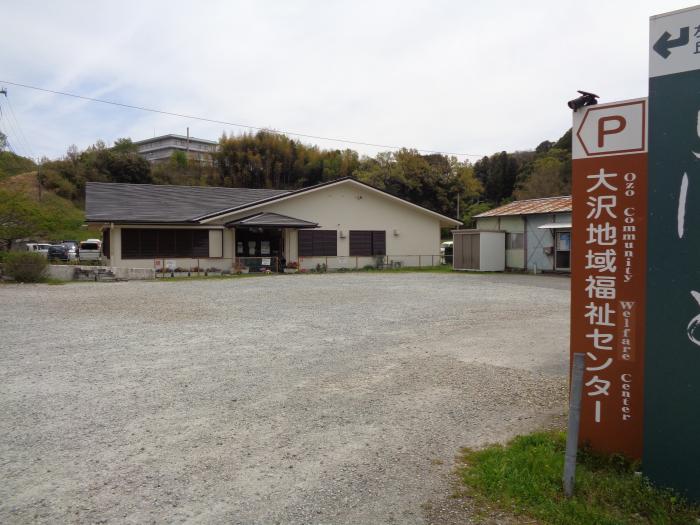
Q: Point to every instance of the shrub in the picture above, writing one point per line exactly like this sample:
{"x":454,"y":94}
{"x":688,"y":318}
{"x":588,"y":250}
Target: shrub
{"x":25,"y":267}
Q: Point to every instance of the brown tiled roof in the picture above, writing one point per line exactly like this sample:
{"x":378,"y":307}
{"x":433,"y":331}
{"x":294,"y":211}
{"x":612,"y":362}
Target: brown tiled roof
{"x":531,"y":206}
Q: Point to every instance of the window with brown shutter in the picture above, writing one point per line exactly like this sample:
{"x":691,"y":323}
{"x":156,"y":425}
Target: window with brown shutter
{"x":379,"y":243}
{"x":143,"y":243}
{"x":149,"y":243}
{"x":131,"y":240}
{"x":360,"y":243}
{"x":306,"y":243}
{"x":365,"y":243}
{"x":167,"y":246}
{"x":318,"y":243}
{"x":200,"y":243}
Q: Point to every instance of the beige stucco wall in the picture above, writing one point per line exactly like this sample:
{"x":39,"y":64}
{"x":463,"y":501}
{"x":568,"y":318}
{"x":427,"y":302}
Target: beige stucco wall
{"x":218,"y":239}
{"x":346,"y":207}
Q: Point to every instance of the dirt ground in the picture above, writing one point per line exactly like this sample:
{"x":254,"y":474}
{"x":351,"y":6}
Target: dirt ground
{"x":339,"y":398}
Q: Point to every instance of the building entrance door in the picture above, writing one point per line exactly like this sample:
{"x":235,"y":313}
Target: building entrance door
{"x":562,"y":255}
{"x":260,"y":248}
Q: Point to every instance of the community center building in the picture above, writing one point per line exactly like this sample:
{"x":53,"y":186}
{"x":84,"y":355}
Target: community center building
{"x":535,"y":236}
{"x":341,"y":224}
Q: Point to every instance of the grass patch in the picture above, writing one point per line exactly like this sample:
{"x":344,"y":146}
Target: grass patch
{"x":54,"y":282}
{"x":524,"y":477}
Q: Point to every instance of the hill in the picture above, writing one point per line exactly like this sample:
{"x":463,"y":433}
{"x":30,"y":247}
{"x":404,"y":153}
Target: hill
{"x":29,"y":211}
{"x":11,"y":164}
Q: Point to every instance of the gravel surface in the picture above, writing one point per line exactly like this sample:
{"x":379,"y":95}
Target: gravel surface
{"x":339,"y":398}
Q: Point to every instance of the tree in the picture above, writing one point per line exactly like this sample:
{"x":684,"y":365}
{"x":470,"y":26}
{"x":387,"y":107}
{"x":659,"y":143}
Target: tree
{"x":68,"y":176}
{"x":3,"y":141}
{"x":122,"y":167}
{"x":498,"y":174}
{"x":548,"y":173}
{"x":434,"y":181}
{"x":472,"y":210}
{"x":124,"y":145}
{"x":179,"y":159}
{"x":545,"y":180}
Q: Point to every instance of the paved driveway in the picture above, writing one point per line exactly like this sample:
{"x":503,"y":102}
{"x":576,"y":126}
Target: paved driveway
{"x":336,"y":398}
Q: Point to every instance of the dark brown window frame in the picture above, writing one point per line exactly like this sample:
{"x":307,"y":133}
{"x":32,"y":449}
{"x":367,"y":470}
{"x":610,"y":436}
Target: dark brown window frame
{"x":367,"y":243}
{"x":154,"y":243}
{"x":317,"y":243}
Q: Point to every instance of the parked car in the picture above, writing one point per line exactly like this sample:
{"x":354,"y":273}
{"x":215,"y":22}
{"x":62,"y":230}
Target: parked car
{"x":59,"y":252}
{"x":38,"y":247}
{"x":446,"y":250}
{"x":90,"y":250}
{"x":73,"y":249}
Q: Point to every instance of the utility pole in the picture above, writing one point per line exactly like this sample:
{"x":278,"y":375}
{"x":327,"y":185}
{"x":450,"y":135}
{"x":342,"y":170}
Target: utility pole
{"x":3,"y":91}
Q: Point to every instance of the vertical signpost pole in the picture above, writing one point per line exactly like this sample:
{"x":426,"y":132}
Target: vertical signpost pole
{"x":672,"y":389}
{"x":608,"y":271}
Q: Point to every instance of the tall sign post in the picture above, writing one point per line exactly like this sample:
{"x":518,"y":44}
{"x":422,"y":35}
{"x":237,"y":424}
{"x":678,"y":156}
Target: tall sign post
{"x":672,"y":390}
{"x":609,"y":186}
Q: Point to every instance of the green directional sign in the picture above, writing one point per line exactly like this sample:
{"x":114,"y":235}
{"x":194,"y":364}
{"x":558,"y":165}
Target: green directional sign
{"x":671,"y":454}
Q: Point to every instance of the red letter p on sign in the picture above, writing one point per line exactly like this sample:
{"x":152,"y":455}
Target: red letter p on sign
{"x":604,"y":130}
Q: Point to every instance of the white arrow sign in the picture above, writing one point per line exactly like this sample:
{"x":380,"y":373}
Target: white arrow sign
{"x":674,"y":42}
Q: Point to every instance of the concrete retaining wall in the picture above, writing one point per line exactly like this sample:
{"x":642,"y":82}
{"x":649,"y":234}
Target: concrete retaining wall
{"x":67,"y":272}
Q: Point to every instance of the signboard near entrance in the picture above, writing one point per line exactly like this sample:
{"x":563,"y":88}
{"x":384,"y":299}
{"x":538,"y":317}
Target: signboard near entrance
{"x":672,"y":410}
{"x":609,"y":192}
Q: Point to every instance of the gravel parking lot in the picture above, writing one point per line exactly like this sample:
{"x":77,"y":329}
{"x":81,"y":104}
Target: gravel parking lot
{"x":339,"y":398}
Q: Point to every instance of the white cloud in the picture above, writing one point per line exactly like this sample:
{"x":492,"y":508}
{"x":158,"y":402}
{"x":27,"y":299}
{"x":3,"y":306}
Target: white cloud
{"x":449,"y":76}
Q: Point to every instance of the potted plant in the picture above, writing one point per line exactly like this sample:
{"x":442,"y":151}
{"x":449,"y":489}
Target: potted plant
{"x":212,"y":271}
{"x":292,"y":267}
{"x":240,"y":268}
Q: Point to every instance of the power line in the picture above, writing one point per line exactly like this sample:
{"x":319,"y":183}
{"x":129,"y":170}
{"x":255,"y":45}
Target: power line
{"x":227,"y":123}
{"x":22,"y":136}
{"x":3,"y":91}
{"x":13,"y":130}
{"x":7,"y":143}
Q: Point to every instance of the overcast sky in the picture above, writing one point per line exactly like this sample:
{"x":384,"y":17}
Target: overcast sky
{"x":460,"y":76}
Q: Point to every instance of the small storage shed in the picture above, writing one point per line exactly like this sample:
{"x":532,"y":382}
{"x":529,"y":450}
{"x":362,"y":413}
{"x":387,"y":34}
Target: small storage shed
{"x":479,"y":250}
{"x":538,"y":233}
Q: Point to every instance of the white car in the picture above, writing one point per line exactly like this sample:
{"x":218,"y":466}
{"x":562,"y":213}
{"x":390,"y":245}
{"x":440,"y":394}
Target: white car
{"x":39,"y":247}
{"x":446,"y":249}
{"x":90,"y":250}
